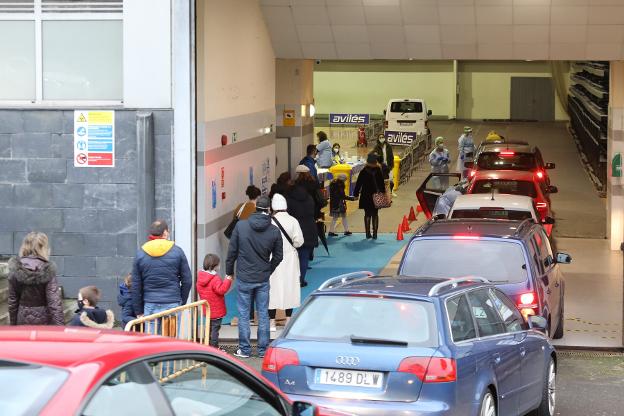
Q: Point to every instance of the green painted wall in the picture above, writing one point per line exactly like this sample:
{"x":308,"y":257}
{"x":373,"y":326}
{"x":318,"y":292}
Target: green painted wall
{"x":366,"y":86}
{"x":485,"y":88}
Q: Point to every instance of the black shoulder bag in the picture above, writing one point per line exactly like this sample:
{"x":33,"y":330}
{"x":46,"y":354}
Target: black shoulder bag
{"x":283,"y":232}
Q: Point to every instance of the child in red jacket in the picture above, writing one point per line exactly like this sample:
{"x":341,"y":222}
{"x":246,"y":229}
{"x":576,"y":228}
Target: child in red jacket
{"x":211,"y":288}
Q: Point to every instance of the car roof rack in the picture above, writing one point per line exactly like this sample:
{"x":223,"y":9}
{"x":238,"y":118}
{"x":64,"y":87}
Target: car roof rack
{"x":344,"y":278}
{"x":454,"y":282}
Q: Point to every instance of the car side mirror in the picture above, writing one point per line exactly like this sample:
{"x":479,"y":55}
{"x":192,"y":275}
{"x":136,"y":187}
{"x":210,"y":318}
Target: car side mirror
{"x":304,"y":409}
{"x":538,"y":323}
{"x":548,"y":220}
{"x":468,"y":165}
{"x":553,"y":189}
{"x":564,"y":258}
{"x":429,"y":112}
{"x":549,"y":166}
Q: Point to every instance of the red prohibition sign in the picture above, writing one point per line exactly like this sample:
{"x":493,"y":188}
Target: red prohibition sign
{"x":81,"y":158}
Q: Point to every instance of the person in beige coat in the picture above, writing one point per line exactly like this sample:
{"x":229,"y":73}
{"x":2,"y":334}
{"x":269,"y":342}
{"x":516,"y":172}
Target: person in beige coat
{"x":285,"y":291}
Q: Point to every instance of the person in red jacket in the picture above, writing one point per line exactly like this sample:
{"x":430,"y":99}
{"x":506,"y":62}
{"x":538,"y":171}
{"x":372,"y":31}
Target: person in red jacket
{"x":212,"y":288}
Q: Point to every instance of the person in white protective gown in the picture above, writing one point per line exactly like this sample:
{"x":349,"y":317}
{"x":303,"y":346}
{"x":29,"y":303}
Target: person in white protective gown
{"x":439,"y":160}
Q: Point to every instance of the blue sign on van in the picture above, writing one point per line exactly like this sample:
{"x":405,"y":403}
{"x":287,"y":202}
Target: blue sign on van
{"x":335,"y":118}
{"x":400,"y":138}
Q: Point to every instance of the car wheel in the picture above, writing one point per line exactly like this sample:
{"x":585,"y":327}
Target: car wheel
{"x":559,"y":332}
{"x":547,"y":406}
{"x":488,"y":404}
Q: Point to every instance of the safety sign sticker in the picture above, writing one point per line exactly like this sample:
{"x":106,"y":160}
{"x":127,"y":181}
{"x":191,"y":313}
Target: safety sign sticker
{"x":94,"y":138}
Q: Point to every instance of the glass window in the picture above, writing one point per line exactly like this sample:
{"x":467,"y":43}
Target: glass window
{"x":406,"y":107}
{"x":514,"y":161}
{"x":546,"y":255}
{"x":26,"y":388}
{"x":509,"y":312}
{"x":17,"y":60}
{"x":499,"y":261}
{"x":502,"y":186}
{"x":460,"y":318}
{"x":82,"y":60}
{"x":338,"y":318}
{"x":129,"y":392}
{"x":484,"y":312}
{"x":495,"y":213}
{"x":199,"y":388}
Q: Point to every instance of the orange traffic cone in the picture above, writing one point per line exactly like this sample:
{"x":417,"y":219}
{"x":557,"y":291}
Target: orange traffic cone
{"x":412,"y":215}
{"x":419,"y":208}
{"x":400,"y":233}
{"x":405,"y":224}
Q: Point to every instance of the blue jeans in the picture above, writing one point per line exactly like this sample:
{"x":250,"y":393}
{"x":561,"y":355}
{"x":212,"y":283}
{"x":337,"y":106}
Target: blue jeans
{"x":304,"y":260}
{"x":152,"y":308}
{"x":260,"y":293}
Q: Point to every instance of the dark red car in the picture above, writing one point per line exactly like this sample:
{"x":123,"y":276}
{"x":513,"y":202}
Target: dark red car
{"x":75,"y":371}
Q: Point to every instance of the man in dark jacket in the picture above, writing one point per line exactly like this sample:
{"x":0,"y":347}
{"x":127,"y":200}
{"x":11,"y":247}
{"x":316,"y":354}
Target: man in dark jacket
{"x":309,"y":160}
{"x":161,"y":277}
{"x":256,"y":247}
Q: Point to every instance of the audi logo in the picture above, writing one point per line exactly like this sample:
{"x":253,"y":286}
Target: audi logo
{"x":345,"y":360}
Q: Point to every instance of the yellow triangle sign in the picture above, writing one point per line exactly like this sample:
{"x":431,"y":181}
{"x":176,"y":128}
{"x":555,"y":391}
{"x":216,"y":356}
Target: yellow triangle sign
{"x":82,"y":118}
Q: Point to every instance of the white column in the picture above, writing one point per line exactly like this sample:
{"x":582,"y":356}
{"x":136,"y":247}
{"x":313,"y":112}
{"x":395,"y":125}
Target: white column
{"x":615,"y":144}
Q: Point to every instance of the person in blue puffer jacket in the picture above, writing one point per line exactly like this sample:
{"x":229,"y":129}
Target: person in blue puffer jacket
{"x":124,"y":300}
{"x":161,"y":276}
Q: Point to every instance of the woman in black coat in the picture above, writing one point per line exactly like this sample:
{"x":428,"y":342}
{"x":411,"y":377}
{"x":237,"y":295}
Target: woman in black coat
{"x":302,"y":207}
{"x":369,"y":181}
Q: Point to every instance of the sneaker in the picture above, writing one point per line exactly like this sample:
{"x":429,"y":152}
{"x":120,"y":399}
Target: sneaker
{"x":348,"y":233}
{"x":332,"y":234}
{"x":240,"y":354}
{"x":394,"y":194}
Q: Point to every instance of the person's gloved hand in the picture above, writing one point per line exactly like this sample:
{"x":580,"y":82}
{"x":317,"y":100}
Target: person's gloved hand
{"x":462,"y":156}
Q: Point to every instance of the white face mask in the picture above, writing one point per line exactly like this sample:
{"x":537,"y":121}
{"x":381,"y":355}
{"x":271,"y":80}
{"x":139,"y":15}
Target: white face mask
{"x":382,"y":140}
{"x":336,"y":149}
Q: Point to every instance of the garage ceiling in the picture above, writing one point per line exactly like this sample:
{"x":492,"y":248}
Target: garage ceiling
{"x":446,"y":29}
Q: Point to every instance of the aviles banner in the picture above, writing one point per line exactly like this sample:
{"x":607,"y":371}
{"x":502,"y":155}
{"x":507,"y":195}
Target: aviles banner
{"x":400,"y":138}
{"x":335,"y":118}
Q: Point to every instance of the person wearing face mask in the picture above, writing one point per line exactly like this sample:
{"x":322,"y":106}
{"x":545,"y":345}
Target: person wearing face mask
{"x":88,"y":314}
{"x":324,"y":149}
{"x":439,"y":160}
{"x":383,"y":149}
{"x":337,"y":158}
{"x":466,"y":148}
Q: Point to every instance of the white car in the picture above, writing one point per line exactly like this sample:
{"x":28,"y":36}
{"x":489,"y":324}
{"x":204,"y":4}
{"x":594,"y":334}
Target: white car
{"x":405,"y":119}
{"x":503,"y":206}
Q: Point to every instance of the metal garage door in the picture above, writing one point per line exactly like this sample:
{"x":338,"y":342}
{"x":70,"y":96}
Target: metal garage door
{"x":532,"y":99}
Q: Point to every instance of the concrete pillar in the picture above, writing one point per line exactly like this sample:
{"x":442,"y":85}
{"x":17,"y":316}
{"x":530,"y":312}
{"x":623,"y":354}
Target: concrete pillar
{"x":146,"y":175}
{"x":615,"y":145}
{"x":293,"y":97}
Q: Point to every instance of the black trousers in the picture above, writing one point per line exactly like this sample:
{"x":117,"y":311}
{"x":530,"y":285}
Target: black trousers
{"x":215,"y":326}
{"x":273,"y":312}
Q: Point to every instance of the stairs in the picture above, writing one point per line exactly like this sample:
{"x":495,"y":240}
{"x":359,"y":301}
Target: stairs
{"x":69,"y":305}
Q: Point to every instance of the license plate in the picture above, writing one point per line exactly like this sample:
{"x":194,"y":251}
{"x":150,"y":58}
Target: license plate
{"x":409,"y":123}
{"x":352,"y":378}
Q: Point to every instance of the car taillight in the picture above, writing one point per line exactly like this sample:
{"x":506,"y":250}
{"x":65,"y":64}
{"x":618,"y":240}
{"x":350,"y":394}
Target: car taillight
{"x":528,"y":305}
{"x":542,"y":205}
{"x":540,"y":174}
{"x":430,"y":369}
{"x":277,"y":358}
{"x":465,"y":237}
{"x":473,"y":173}
{"x":506,"y":153}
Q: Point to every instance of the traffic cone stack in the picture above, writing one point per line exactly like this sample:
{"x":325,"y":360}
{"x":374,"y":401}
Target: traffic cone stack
{"x":405,"y":224}
{"x":400,"y":233}
{"x":412,"y":215}
{"x":419,"y":208}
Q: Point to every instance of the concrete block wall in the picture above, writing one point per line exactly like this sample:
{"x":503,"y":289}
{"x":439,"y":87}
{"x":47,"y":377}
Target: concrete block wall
{"x":89,"y":214}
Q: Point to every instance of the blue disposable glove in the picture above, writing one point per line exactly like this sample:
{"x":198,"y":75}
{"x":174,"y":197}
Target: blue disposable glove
{"x":462,"y":157}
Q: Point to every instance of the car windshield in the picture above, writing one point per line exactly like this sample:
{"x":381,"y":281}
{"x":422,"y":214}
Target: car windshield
{"x":497,"y":261}
{"x":26,"y":388}
{"x":494,"y":213}
{"x":343,"y":318}
{"x":506,"y":161}
{"x":406,"y":107}
{"x":503,"y":186}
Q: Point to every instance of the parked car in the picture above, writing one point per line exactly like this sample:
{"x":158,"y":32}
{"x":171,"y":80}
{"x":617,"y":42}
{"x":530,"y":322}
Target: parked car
{"x":63,"y":371}
{"x":511,"y":156}
{"x":454,"y":204}
{"x":515,"y":183}
{"x":414,"y":346}
{"x":516,"y":256}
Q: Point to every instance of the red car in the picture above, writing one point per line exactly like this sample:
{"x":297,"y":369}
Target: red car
{"x":78,"y":371}
{"x":516,"y":183}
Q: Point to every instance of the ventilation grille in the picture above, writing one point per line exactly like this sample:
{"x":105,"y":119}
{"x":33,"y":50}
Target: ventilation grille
{"x":82,"y":6}
{"x":17,"y":6}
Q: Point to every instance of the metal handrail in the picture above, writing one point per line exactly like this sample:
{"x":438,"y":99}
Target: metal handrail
{"x":454,"y":281}
{"x":344,"y":278}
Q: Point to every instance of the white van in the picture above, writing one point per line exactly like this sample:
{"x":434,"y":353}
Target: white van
{"x":408,"y":114}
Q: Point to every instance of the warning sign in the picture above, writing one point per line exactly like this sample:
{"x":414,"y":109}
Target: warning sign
{"x":94,"y":138}
{"x":289,"y":117}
